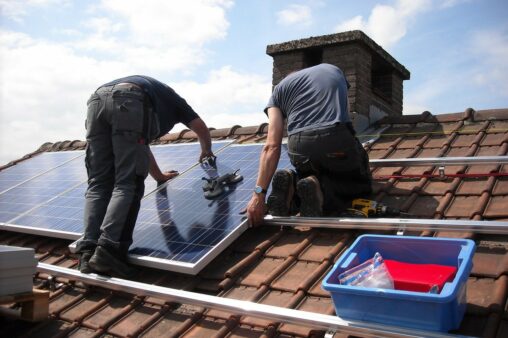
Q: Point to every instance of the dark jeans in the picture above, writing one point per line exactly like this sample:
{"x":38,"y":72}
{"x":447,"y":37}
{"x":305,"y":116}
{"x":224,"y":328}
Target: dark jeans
{"x":336,"y":157}
{"x":117,"y":162}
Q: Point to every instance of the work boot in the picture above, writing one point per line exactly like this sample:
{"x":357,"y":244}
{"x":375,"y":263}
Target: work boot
{"x":279,"y":201}
{"x":311,"y":197}
{"x":109,"y":264}
{"x":84,"y":258}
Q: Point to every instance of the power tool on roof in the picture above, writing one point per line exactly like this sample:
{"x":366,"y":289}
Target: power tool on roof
{"x":367,"y":208}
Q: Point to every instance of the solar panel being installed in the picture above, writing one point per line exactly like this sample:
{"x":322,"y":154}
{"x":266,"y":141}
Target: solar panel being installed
{"x":179,"y":230}
{"x":33,"y":167}
{"x":62,"y":215}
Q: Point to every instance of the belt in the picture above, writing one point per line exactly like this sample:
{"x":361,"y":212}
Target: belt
{"x":130,"y":86}
{"x":312,"y":132}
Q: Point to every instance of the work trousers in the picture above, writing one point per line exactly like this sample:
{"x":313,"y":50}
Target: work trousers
{"x":339,"y":161}
{"x":117,"y":162}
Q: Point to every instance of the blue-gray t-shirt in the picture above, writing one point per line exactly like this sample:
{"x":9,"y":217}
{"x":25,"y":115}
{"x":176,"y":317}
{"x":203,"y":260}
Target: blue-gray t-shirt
{"x":312,"y":98}
{"x":169,"y":107}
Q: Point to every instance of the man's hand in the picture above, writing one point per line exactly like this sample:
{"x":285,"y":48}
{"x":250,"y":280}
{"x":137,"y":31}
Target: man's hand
{"x":166,"y":176}
{"x":256,"y":209}
{"x":205,"y":154}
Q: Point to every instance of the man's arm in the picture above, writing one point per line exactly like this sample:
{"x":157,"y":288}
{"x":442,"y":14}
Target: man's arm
{"x":199,"y":127}
{"x":268,"y":162}
{"x":155,"y":171}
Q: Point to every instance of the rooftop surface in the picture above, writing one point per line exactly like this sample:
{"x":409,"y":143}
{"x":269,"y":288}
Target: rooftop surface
{"x":285,"y":266}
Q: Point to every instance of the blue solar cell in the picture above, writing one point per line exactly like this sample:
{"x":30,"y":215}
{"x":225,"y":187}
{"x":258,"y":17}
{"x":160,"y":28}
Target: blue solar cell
{"x":33,"y":167}
{"x":179,"y":157}
{"x":178,"y":225}
{"x":41,"y":189}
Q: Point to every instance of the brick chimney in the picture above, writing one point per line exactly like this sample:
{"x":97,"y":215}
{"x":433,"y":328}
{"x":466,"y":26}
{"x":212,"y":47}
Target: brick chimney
{"x":375,"y":76}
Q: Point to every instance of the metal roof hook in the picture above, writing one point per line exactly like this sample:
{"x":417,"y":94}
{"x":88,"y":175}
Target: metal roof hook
{"x":442,"y":175}
{"x":330,"y":333}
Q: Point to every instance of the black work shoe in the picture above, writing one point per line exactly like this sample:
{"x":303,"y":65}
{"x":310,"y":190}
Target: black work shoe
{"x":279,"y":201}
{"x":311,"y":197}
{"x":106,"y":263}
{"x":83,"y":265}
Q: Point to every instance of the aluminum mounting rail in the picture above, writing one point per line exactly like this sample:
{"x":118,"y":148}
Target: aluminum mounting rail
{"x":239,"y":307}
{"x":398,"y":224}
{"x":437,"y":161}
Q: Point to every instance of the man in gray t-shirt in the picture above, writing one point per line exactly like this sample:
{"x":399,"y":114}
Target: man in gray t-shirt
{"x":331,"y":165}
{"x":312,"y":98}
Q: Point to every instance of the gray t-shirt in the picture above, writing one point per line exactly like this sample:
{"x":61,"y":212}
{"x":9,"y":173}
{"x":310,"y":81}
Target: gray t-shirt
{"x":312,"y":98}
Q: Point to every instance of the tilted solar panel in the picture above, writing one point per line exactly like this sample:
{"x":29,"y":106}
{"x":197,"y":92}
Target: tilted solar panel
{"x":62,"y":216}
{"x":30,"y":168}
{"x":179,"y":229}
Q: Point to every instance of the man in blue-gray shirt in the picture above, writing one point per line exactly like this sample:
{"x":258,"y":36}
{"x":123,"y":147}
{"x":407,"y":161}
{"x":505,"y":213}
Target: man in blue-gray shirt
{"x":123,"y":117}
{"x":331,"y":165}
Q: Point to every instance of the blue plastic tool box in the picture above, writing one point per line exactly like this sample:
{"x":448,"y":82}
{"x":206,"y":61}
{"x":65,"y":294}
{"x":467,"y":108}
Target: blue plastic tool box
{"x":439,"y":312}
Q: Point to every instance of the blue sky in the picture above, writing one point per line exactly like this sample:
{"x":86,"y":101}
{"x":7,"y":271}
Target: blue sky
{"x":54,"y":53}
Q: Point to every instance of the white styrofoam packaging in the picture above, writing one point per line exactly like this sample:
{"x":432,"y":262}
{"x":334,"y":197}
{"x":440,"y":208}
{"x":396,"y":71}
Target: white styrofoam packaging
{"x":17,"y":267}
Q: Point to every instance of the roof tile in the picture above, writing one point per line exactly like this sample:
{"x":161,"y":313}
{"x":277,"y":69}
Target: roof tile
{"x":406,"y":186}
{"x":310,"y":304}
{"x":490,"y":262}
{"x":501,"y":186}
{"x":172,"y":324}
{"x":258,"y":274}
{"x":91,"y":302}
{"x":440,"y":187}
{"x":291,"y":244}
{"x":239,"y":292}
{"x":325,"y":246}
{"x":291,"y":279}
{"x":462,"y":207}
{"x":116,"y":308}
{"x":474,"y":186}
{"x":206,"y":327}
{"x":485,"y":295}
{"x":496,"y":207}
{"x":275,"y":298}
{"x":490,"y":114}
{"x":135,"y":321}
{"x":425,"y":206}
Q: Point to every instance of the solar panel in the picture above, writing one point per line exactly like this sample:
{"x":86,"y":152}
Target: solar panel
{"x":62,"y":215}
{"x":41,"y":189}
{"x":179,"y":157}
{"x":30,"y":168}
{"x":179,"y":229}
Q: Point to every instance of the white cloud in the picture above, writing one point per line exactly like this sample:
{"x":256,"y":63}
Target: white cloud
{"x":490,"y":49}
{"x":17,"y":9}
{"x":43,"y":98}
{"x":44,"y":85}
{"x":228,"y":93}
{"x":451,"y":3}
{"x":295,"y":15}
{"x":387,"y":24}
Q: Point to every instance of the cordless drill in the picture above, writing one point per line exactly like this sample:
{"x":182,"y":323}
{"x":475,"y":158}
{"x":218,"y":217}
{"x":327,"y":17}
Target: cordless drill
{"x":367,"y":208}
